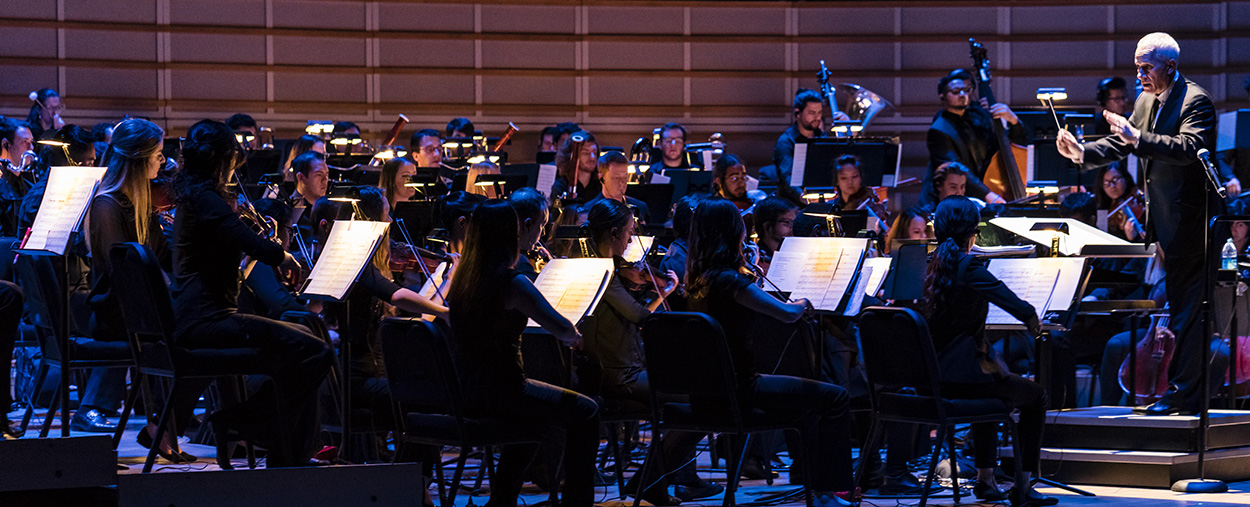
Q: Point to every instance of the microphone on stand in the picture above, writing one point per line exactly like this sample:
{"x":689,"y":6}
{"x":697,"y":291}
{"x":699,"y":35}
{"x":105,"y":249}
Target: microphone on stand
{"x":1205,"y":156}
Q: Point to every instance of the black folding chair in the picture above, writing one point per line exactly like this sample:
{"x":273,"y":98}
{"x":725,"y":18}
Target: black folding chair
{"x":688,"y":355}
{"x":898,"y":353}
{"x":45,"y":298}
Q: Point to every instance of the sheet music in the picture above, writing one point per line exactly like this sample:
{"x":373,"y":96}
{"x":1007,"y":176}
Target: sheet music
{"x":875,"y":271}
{"x":660,"y":178}
{"x":435,"y":280}
{"x":798,"y":166}
{"x":752,"y":183}
{"x":69,"y":192}
{"x":1049,"y":284}
{"x":819,"y":269}
{"x":639,"y":246}
{"x":861,"y":288}
{"x":574,"y":286}
{"x":546,"y":178}
{"x":707,"y":160}
{"x":1079,"y":233}
{"x":350,"y":247}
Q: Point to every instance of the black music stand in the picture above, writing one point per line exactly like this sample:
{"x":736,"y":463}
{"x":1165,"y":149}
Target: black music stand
{"x":530,"y":171}
{"x":657,"y":196}
{"x":686,"y":181}
{"x":878,"y":156}
{"x":504,"y":184}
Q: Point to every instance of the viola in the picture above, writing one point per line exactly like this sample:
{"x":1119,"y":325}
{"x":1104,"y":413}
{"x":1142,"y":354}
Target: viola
{"x":404,"y":257}
{"x":1130,"y":209}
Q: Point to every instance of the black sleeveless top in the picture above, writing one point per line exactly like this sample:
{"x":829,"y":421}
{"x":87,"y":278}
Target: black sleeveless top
{"x":486,"y":346}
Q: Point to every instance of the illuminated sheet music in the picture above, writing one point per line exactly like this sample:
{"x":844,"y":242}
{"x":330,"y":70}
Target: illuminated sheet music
{"x":546,"y":178}
{"x":861,"y":289}
{"x":350,"y":247}
{"x":435,"y":280}
{"x":819,"y":269}
{"x":638,"y":247}
{"x":880,"y":268}
{"x":574,"y":286}
{"x":1048,"y":283}
{"x":1078,"y":237}
{"x":65,"y":201}
{"x":798,"y":166}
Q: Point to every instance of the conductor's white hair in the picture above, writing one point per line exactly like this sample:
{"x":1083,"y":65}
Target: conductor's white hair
{"x":1159,"y":47}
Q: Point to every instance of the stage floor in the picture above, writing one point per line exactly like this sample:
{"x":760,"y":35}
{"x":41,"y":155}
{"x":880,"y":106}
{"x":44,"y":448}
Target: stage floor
{"x":132,"y":455}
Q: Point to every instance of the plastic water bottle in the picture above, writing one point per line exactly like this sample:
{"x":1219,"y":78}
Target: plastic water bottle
{"x":1228,"y":255}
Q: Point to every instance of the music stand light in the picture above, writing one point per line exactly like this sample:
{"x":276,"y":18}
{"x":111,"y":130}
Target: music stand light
{"x":64,"y":149}
{"x":1048,"y":96}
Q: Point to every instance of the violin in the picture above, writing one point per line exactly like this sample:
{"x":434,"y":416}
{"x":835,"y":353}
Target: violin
{"x":405,"y":257}
{"x":1127,"y":210}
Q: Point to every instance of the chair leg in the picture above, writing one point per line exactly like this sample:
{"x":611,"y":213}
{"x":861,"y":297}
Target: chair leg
{"x":65,"y":371}
{"x":1021,"y":489}
{"x":443,"y":500}
{"x":950,"y":442}
{"x":459,"y":473}
{"x":53,"y":406}
{"x":41,"y":374}
{"x":653,"y":454}
{"x":621,"y":457}
{"x":131,"y":395}
{"x":166,"y":420}
{"x":933,"y":461}
{"x":733,"y":471}
{"x":870,"y":446}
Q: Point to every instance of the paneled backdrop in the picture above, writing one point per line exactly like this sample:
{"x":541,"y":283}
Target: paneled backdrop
{"x":618,"y":68}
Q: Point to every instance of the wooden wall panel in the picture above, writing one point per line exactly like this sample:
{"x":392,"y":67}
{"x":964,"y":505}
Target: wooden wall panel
{"x":217,"y":12}
{"x":737,"y":20}
{"x":613,"y":55}
{"x":844,"y":56}
{"x":319,"y":14}
{"x":737,"y":56}
{"x":128,"y":11}
{"x":846,"y":21}
{"x":553,"y":19}
{"x":110,"y":45}
{"x":514,"y":54}
{"x":534,"y":90}
{"x":29,"y":41}
{"x":733,"y":90}
{"x":426,"y":53}
{"x":333,"y":51}
{"x":31,"y":9}
{"x":1180,"y":17}
{"x":1081,"y":54}
{"x":962,"y":21}
{"x":227,"y":48}
{"x":636,"y":91}
{"x":1073,"y":19}
{"x":604,"y":19}
{"x":427,"y":88}
{"x":111,"y":83}
{"x":198,"y":84}
{"x":1238,"y":51}
{"x":19,"y":80}
{"x":319,"y":87}
{"x":417,"y":16}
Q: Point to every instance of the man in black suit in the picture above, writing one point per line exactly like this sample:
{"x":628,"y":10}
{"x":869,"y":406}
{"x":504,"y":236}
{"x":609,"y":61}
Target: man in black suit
{"x":1172,"y":119}
{"x":963,"y":131}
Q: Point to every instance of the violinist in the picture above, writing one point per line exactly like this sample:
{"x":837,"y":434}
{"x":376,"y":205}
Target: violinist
{"x":1125,"y":203}
{"x":394,"y":173}
{"x":729,"y":181}
{"x":912,"y":223}
{"x":210,"y":240}
{"x":453,"y":211}
{"x":531,"y":213}
{"x":675,"y":257}
{"x":16,"y":140}
{"x":121,"y":211}
{"x":575,"y":172}
{"x":614,"y":344}
{"x":613,"y":177}
{"x":852,"y":193}
{"x":312,"y":181}
{"x":774,"y":222}
{"x":266,"y":291}
{"x":45,"y":114}
{"x":367,"y":303}
{"x":722,"y":286}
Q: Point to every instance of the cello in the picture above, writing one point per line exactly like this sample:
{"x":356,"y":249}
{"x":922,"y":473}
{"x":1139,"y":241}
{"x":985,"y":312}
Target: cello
{"x":1003,"y":174}
{"x":1154,"y":354}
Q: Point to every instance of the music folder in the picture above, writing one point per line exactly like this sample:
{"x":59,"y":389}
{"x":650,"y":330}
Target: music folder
{"x":65,"y":201}
{"x":574,"y":287}
{"x":347,"y":251}
{"x":826,"y":271}
{"x":1053,"y":285}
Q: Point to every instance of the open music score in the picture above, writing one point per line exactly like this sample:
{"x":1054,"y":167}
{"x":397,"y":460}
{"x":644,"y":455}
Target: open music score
{"x":638,"y":247}
{"x":546,"y":179}
{"x":64,"y":204}
{"x":435,"y":280}
{"x":349,"y":249}
{"x":1050,"y":284}
{"x":823,"y":270}
{"x":1081,"y":239}
{"x":798,"y":166}
{"x":875,"y":271}
{"x":574,"y":286}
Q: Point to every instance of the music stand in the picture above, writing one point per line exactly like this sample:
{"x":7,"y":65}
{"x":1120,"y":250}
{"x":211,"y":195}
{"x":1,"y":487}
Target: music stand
{"x":657,"y":196}
{"x":65,"y":201}
{"x":504,"y":184}
{"x":417,"y":216}
{"x":687,"y":181}
{"x":814,"y":158}
{"x":906,"y":278}
{"x":425,"y":180}
{"x":530,"y":171}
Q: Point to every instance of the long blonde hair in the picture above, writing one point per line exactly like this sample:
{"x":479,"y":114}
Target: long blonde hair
{"x":134,"y":143}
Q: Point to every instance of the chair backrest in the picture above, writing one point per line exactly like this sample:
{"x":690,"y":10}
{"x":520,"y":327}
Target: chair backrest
{"x":45,"y":298}
{"x":147,"y":308}
{"x":897,"y":349}
{"x":785,"y":349}
{"x":687,"y":355}
{"x":419,"y":367}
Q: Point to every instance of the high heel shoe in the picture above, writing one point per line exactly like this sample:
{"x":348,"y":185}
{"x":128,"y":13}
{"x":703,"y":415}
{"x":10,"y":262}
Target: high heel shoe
{"x":988,"y":493}
{"x":145,"y":440}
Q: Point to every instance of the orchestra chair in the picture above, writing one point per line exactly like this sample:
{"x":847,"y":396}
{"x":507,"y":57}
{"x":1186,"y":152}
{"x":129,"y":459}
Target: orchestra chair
{"x":45,"y":299}
{"x":688,"y":356}
{"x":916,"y":395}
{"x":147,"y":310}
{"x":425,"y":391}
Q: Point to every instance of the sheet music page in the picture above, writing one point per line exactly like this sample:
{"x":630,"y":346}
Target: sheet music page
{"x":637,"y":247}
{"x":1079,"y":234}
{"x":349,"y":248}
{"x":69,"y":192}
{"x":799,"y":165}
{"x":546,"y":178}
{"x":1070,"y":271}
{"x":1033,"y":280}
{"x":660,"y":178}
{"x":573,"y":286}
{"x":752,"y":183}
{"x":819,"y":269}
{"x":861,"y":289}
{"x":880,"y":267}
{"x":435,"y":280}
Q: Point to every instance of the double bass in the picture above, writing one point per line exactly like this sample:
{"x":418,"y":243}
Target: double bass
{"x":1005,"y":174}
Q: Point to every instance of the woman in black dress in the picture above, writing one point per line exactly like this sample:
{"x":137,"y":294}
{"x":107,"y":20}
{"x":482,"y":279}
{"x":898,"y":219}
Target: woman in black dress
{"x":210,"y":241}
{"x":958,"y":289}
{"x":490,"y":303}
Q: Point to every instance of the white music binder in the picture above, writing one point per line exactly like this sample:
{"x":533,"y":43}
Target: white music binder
{"x":65,"y":201}
{"x":347,"y":251}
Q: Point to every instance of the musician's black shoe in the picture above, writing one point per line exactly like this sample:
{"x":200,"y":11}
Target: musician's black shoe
{"x":906,"y":485}
{"x":10,"y":429}
{"x":1164,"y":407}
{"x":1033,"y":499}
{"x":697,"y":490}
{"x":91,"y":421}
